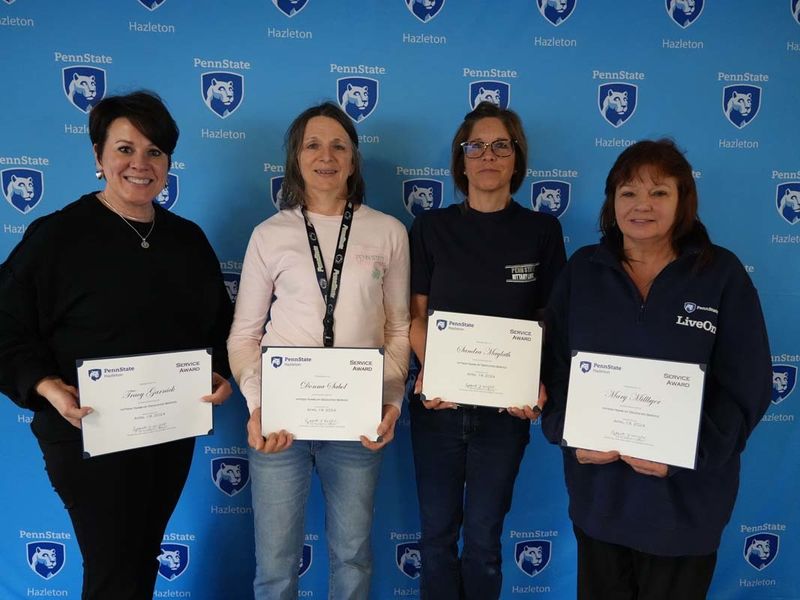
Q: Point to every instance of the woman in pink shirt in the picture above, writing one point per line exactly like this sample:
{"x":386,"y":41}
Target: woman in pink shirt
{"x":282,"y":302}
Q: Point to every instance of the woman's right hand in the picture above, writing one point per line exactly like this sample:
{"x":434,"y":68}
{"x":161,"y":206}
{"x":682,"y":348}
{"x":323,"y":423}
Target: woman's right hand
{"x":64,"y":399}
{"x":274,"y":442}
{"x":593,"y":457}
{"x":434,"y":403}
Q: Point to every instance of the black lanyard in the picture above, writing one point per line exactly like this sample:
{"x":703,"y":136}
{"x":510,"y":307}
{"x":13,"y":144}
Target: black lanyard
{"x":330,"y":289}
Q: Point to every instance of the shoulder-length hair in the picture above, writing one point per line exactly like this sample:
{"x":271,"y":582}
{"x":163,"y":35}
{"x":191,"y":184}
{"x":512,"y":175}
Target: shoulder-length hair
{"x":294,"y":190}
{"x":512,"y":123}
{"x":664,"y":159}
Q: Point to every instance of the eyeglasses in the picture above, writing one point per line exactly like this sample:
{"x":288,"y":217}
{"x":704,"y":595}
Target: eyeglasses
{"x":500,"y":148}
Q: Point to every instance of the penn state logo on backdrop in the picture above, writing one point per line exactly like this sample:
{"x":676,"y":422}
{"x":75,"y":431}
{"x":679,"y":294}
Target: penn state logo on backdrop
{"x":152,"y":4}
{"x":761,"y":549}
{"x":358,"y":96}
{"x":496,"y":92}
{"x":784,"y":378}
{"x":84,"y":86}
{"x":276,"y":361}
{"x":9,"y":1}
{"x":585,"y":366}
{"x":173,"y":560}
{"x":222,"y":92}
{"x":741,"y":103}
{"x":409,"y":559}
{"x":788,"y":201}
{"x":796,"y":10}
{"x":22,"y":188}
{"x":424,"y":10}
{"x":441,"y":324}
{"x":290,"y":7}
{"x":556,"y":11}
{"x":169,"y":195}
{"x":276,"y":191}
{"x":550,"y":196}
{"x":684,"y":12}
{"x":45,"y":559}
{"x":230,"y":474}
{"x":532,"y":556}
{"x":305,"y":560}
{"x":420,"y":195}
{"x":95,"y":374}
{"x":231,"y":280}
{"x":617,"y":101}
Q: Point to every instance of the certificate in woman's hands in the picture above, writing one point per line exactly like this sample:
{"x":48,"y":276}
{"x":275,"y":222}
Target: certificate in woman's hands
{"x":639,"y":407}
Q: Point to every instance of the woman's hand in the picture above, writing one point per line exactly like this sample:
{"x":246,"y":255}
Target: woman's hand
{"x":64,"y":399}
{"x":646,"y":467}
{"x":385,"y":429}
{"x":593,"y":457}
{"x":531,"y":412}
{"x":274,"y":442}
{"x":433,"y":403}
{"x":220,"y":390}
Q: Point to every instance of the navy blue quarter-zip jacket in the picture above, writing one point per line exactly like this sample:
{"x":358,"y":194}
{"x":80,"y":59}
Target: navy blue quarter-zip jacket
{"x":708,"y":314}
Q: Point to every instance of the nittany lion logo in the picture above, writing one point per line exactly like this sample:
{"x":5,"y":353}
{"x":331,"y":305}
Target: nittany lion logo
{"x":45,"y":559}
{"x":290,"y":7}
{"x":231,"y":280}
{"x":409,"y":559}
{"x":95,"y":374}
{"x":617,"y":101}
{"x":689,"y":307}
{"x":305,"y":560}
{"x":23,"y":188}
{"x":550,"y":196}
{"x":230,"y":474}
{"x":276,"y":191}
{"x":222,"y":92}
{"x":420,"y":195}
{"x":740,"y":103}
{"x":152,"y":4}
{"x":761,"y":549}
{"x":276,"y":361}
{"x":787,"y":199}
{"x":532,"y":556}
{"x":9,"y":1}
{"x":169,"y":195}
{"x":684,"y":12}
{"x":496,"y":92}
{"x":424,"y":10}
{"x":358,"y":96}
{"x":84,"y":86}
{"x":585,"y":366}
{"x":784,"y":378}
{"x":556,"y":11}
{"x":795,"y":6}
{"x":441,"y":324}
{"x":173,"y":560}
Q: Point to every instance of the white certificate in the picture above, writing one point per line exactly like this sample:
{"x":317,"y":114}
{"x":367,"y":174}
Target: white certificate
{"x":640,"y":407}
{"x":333,"y":394}
{"x":481,"y":360}
{"x":144,"y":399}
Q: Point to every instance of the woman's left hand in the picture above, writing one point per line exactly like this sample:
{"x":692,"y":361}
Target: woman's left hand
{"x":385,"y":429}
{"x":220,"y":390}
{"x":646,"y":467}
{"x":531,"y":412}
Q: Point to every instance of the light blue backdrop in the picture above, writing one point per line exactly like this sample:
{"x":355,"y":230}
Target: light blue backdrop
{"x":659,"y":71}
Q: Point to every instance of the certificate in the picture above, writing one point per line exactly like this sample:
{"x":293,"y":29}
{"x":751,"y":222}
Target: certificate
{"x":640,"y":407}
{"x":333,"y":394}
{"x":481,"y":360}
{"x":144,"y":399}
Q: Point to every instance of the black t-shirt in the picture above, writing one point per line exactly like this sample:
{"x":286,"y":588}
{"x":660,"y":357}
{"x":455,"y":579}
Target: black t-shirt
{"x":500,"y":264}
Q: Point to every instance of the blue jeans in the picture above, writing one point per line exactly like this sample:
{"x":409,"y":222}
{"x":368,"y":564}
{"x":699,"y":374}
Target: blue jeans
{"x":466,"y":462}
{"x":281,"y":482}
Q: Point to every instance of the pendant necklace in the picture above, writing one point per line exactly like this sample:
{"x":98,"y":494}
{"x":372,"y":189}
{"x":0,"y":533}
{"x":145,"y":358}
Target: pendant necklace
{"x":145,"y":244}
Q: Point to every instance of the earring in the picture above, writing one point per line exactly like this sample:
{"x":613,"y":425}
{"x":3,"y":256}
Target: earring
{"x":99,"y":173}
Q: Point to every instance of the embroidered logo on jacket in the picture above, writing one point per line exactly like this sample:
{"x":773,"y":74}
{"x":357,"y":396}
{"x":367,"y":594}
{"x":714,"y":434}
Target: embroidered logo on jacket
{"x":524,"y":273}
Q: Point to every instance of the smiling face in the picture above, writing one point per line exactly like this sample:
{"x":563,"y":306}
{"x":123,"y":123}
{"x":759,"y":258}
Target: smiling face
{"x":325,"y":160}
{"x":645,"y":209}
{"x":135,"y":169}
{"x":489,"y":174}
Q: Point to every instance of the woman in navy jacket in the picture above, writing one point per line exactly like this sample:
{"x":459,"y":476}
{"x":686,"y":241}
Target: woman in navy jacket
{"x":646,"y":530}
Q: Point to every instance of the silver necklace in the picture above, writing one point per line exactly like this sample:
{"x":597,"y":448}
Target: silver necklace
{"x":145,"y":244}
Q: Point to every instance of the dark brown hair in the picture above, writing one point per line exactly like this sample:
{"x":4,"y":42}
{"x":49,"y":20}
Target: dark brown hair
{"x":512,"y":123}
{"x":146,"y":112}
{"x":665,"y":160}
{"x":293,"y":184}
